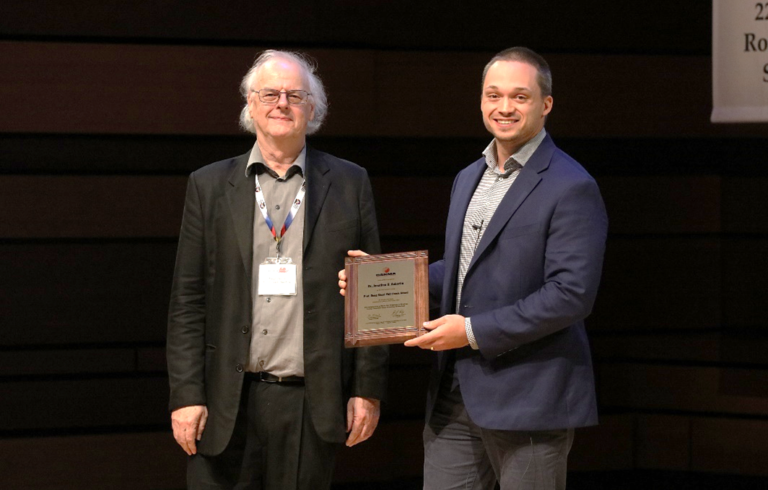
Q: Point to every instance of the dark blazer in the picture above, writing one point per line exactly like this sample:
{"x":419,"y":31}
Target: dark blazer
{"x":532,"y":281}
{"x":209,"y":319}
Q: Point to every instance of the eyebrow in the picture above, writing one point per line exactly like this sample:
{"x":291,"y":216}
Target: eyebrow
{"x":494,"y":87}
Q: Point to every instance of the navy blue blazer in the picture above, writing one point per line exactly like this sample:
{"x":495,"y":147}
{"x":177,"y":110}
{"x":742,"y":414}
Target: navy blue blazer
{"x":532,"y":281}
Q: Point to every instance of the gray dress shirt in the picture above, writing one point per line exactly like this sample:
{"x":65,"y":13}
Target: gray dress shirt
{"x":277,"y":333}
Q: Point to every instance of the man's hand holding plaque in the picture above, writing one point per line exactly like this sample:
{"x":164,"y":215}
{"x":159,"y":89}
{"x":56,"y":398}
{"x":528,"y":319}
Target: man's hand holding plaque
{"x":385,"y":297}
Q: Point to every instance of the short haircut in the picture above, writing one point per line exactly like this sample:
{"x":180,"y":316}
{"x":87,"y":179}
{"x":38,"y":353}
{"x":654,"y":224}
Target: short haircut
{"x":308,"y":66}
{"x":525,"y":55}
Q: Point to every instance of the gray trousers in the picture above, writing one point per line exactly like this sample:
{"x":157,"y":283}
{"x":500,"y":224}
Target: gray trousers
{"x":458,"y":454}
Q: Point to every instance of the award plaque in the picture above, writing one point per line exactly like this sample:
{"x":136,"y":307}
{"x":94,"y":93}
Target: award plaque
{"x":387,"y":298}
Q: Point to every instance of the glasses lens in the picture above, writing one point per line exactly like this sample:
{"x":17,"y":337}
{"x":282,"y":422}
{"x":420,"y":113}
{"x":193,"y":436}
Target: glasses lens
{"x":269,"y":96}
{"x":294,"y":97}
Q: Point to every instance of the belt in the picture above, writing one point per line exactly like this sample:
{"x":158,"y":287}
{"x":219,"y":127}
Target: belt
{"x":271,"y":378}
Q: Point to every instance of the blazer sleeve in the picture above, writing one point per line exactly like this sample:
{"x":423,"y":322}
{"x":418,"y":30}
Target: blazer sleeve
{"x":371,"y":363}
{"x":573,"y":260}
{"x":186,"y":315}
{"x":436,"y":275}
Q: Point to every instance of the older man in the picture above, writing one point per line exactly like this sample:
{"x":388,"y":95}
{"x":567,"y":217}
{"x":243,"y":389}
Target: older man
{"x":256,"y":360}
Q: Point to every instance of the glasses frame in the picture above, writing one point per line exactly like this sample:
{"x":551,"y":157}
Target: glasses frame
{"x":280,"y":94}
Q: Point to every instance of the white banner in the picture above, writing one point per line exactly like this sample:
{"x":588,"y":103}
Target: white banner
{"x":739,"y":60}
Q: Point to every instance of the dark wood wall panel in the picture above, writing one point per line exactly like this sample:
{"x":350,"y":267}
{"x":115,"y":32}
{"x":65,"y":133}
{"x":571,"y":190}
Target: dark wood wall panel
{"x":662,"y":204}
{"x":745,"y":282}
{"x":83,"y":403}
{"x":397,"y":23}
{"x":115,"y":154}
{"x":92,"y":88}
{"x":407,"y":393}
{"x":744,"y":346}
{"x":745,"y":204}
{"x":678,"y":388}
{"x":67,"y":361}
{"x":412,"y":206}
{"x":604,"y":157}
{"x":663,"y":442}
{"x":400,"y":355}
{"x":150,"y":359}
{"x":69,"y":293}
{"x":748,"y":381}
{"x":91,"y":206}
{"x":395,"y":451}
{"x":659,"y":282}
{"x":605,"y":447}
{"x":74,"y":88}
{"x":721,"y":347}
{"x":153,"y":460}
{"x":151,"y":206}
{"x":114,"y":461}
{"x":689,"y":346}
{"x":729,"y":446}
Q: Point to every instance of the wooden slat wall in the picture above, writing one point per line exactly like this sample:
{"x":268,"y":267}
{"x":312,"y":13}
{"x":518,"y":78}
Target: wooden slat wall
{"x":49,"y":88}
{"x":589,"y":25}
{"x":103,"y":116}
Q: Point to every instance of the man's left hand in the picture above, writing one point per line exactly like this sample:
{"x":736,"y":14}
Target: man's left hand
{"x":362,"y":419}
{"x":447,"y":332}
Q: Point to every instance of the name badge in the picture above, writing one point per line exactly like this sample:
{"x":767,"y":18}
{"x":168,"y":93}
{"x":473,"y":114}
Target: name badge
{"x":277,"y":277}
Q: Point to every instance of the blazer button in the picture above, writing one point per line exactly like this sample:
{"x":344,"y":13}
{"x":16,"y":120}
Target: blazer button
{"x":245,"y":329}
{"x":239,"y":368}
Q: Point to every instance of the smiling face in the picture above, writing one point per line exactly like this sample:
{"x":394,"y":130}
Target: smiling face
{"x":513,"y":107}
{"x":281,"y":121}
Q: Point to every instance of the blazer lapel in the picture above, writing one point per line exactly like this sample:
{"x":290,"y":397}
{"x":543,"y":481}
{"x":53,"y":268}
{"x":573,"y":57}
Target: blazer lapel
{"x":318,"y":183}
{"x":462,"y":194}
{"x":241,"y":199}
{"x":524,"y":184}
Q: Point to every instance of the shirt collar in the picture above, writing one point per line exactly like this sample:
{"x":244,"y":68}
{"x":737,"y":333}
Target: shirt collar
{"x":256,"y":161}
{"x":520,"y":157}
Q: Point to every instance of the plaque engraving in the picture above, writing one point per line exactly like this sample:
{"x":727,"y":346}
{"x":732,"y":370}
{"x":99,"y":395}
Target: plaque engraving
{"x":387,"y":298}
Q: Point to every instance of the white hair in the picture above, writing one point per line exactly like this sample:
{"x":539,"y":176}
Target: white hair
{"x":309,"y":68}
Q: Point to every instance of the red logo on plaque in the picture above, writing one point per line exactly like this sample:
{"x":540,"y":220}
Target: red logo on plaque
{"x":386,"y":270}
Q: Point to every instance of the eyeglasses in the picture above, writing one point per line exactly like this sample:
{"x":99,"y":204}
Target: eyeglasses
{"x":271,"y":96}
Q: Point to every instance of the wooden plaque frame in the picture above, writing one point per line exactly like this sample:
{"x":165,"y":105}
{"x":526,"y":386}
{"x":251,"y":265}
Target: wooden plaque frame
{"x":395,"y":335}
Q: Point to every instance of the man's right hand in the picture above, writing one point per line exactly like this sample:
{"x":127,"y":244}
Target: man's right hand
{"x":188,"y":426}
{"x":343,"y":273}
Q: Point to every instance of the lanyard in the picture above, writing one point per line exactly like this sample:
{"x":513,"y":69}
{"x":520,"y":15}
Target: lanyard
{"x":288,"y":220}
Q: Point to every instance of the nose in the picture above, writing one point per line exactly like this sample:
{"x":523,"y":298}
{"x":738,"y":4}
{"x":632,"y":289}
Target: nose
{"x":506,"y":105}
{"x":282,"y":100}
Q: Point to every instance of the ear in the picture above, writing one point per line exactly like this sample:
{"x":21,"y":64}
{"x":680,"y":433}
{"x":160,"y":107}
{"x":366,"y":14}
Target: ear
{"x":311,"y":112}
{"x":548,"y":102}
{"x":252,"y":98}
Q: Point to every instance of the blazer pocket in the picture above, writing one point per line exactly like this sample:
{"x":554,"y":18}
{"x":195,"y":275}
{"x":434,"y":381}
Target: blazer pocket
{"x":342,"y":225}
{"x":520,"y":230}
